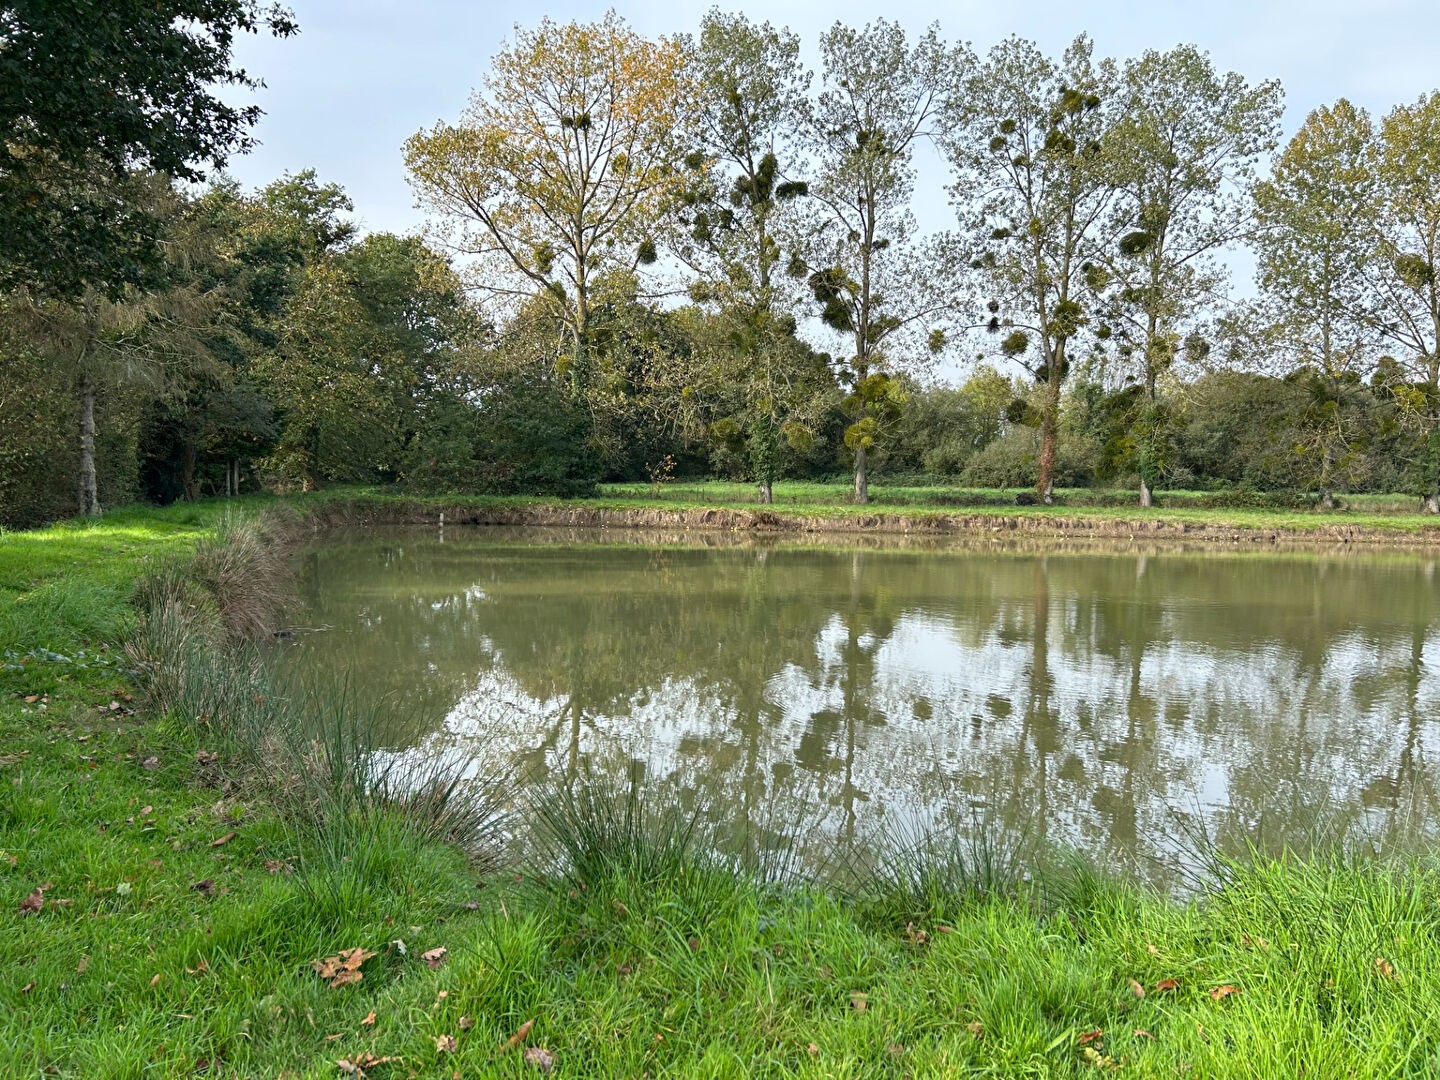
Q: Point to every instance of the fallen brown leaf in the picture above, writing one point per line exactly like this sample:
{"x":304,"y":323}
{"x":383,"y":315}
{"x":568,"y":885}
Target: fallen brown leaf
{"x":813,"y":1049}
{"x":155,"y":979}
{"x":540,"y":1058}
{"x":434,"y":957}
{"x":465,"y":1023}
{"x":1152,"y":950}
{"x":520,"y":1035}
{"x":150,"y":763}
{"x":1224,"y":991}
{"x":1167,"y":984}
{"x":859,"y":1001}
{"x":223,"y":840}
{"x":1136,"y":988}
{"x":444,"y":1044}
{"x":1090,"y":1036}
{"x":1385,"y":969}
{"x":343,"y":968}
{"x":27,"y":988}
{"x":361,"y":1063}
{"x":206,"y":757}
{"x":369,"y":1020}
{"x":80,"y":967}
{"x":274,"y":866}
{"x":205,"y":887}
{"x":35,"y":902}
{"x":1141,"y":1033}
{"x":976,"y":1029}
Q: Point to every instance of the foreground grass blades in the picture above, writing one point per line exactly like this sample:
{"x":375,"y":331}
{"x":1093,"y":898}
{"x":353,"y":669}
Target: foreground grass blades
{"x":162,"y":912}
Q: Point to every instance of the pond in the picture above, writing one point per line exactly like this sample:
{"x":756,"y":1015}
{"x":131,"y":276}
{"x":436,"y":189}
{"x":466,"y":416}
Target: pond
{"x":1109,"y":699}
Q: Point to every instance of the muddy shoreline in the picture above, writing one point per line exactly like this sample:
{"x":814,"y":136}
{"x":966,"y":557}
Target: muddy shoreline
{"x":761,"y":520}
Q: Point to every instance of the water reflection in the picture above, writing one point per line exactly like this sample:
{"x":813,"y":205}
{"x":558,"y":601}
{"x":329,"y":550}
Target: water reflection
{"x":1094,"y":696}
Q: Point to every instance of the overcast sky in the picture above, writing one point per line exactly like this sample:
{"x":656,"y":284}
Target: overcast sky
{"x":364,"y":75}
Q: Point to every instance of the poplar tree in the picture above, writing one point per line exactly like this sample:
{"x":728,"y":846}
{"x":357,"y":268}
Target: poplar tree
{"x":1406,"y":269}
{"x":871,"y":277}
{"x":750,"y":86}
{"x":1316,"y":237}
{"x":1191,"y":140}
{"x":1034,"y":149}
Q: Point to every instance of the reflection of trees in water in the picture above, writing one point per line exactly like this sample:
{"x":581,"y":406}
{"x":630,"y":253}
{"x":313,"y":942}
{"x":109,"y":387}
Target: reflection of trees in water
{"x":1093,"y":696}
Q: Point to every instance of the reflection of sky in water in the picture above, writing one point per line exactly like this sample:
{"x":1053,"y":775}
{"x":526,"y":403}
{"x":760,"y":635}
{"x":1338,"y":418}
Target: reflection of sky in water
{"x":1031,"y":704}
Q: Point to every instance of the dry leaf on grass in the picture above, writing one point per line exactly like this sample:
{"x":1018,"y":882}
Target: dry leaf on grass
{"x":859,"y":1001}
{"x":1136,"y":988}
{"x":521,"y":1033}
{"x":434,"y":957}
{"x":1385,"y":969}
{"x":540,"y":1058}
{"x":223,"y":840}
{"x":444,"y":1044}
{"x":362,"y":1062}
{"x":1167,"y":984}
{"x":343,"y":968}
{"x":1091,"y":1036}
{"x":35,"y":902}
{"x":1224,"y":991}
{"x":369,"y":1020}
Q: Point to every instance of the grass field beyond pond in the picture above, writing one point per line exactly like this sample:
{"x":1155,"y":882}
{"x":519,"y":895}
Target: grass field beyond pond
{"x":159,"y":920}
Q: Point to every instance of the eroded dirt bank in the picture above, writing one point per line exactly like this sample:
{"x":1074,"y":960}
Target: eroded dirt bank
{"x":768,"y":520}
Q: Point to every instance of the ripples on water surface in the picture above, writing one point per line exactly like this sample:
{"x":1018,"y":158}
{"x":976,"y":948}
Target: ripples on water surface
{"x":1103,"y":698}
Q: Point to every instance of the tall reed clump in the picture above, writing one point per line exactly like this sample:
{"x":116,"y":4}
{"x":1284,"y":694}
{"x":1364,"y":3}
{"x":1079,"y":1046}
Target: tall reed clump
{"x":207,"y":658}
{"x":919,"y":874}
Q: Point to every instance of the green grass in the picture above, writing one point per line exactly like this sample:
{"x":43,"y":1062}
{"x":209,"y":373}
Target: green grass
{"x":633,"y":947}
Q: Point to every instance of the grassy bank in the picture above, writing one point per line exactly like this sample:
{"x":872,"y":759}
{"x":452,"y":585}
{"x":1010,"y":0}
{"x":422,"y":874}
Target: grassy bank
{"x":184,"y":896}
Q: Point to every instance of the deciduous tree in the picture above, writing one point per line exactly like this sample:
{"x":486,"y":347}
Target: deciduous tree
{"x":871,"y":277}
{"x":92,"y":90}
{"x":562,"y":166}
{"x":1191,"y":139}
{"x":1317,"y":235}
{"x":1033,"y":144}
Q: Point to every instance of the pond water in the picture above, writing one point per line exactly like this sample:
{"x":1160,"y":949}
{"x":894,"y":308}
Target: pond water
{"x":1108,"y":699}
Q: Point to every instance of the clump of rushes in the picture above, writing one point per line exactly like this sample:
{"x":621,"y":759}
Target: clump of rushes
{"x":309,"y":746}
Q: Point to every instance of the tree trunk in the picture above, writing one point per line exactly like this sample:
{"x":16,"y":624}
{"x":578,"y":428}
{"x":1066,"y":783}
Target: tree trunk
{"x":862,"y":482}
{"x":89,"y":493}
{"x":1432,"y":496}
{"x":1049,"y":440}
{"x":766,"y":491}
{"x":188,"y":483}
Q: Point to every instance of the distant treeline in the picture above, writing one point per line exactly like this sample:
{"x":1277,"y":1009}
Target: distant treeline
{"x":692,"y":255}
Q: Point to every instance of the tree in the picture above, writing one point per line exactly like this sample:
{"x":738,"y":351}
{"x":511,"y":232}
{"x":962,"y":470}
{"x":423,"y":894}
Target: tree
{"x":104,"y":339}
{"x":92,"y":90}
{"x":1033,"y":145}
{"x":1406,"y":271}
{"x":873,"y":282}
{"x":1191,"y":140}
{"x":561,"y":167}
{"x":1316,"y":237}
{"x":750,"y":87}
